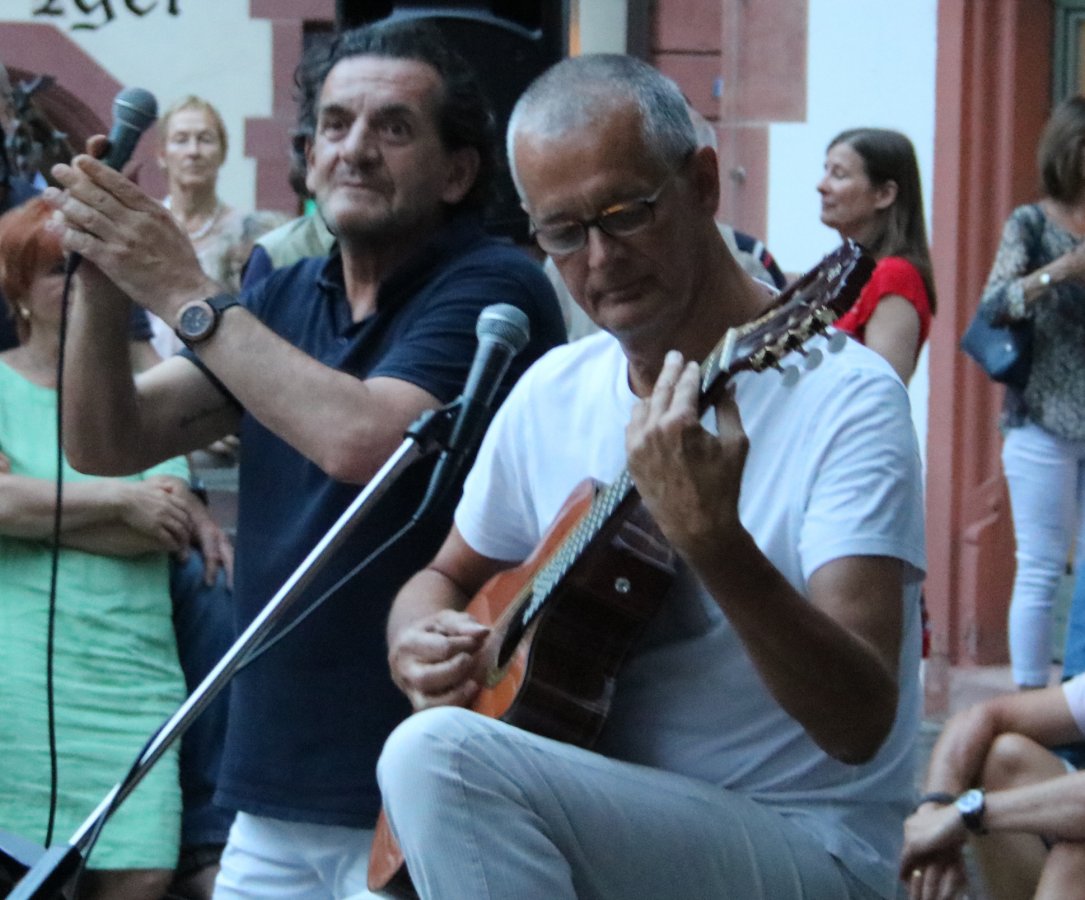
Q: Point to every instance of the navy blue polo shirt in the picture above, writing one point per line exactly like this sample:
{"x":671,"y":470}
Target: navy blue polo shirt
{"x":308,"y":719}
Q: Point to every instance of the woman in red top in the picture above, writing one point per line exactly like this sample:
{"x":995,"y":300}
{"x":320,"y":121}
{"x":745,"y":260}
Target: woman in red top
{"x":870,"y":193}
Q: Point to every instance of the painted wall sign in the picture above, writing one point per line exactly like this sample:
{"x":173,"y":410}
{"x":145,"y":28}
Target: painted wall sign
{"x":88,"y":15}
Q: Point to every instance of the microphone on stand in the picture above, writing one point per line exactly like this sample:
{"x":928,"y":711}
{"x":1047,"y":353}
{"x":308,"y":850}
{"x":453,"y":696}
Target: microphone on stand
{"x":503,"y":331}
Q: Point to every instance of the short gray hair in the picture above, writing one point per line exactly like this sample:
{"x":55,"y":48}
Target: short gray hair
{"x":578,"y":92}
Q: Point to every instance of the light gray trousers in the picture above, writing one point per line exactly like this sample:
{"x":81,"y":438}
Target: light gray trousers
{"x":484,"y":810}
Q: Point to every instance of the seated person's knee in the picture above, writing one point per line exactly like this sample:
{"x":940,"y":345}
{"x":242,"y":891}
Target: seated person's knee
{"x":1011,"y":761}
{"x":416,"y":743}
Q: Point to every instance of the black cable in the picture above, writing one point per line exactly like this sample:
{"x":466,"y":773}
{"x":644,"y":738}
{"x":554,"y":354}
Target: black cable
{"x":96,"y":832}
{"x":92,"y":839}
{"x":69,"y":272}
{"x":263,"y":648}
{"x":50,"y":629}
{"x":255,"y":654}
{"x":416,"y":428}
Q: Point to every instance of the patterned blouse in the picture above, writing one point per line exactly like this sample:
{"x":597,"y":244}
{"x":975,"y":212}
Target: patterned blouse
{"x":225,"y":247}
{"x":1054,"y":396}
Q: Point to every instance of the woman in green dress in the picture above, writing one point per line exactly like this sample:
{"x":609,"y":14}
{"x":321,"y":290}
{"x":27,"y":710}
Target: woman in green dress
{"x":115,"y":671}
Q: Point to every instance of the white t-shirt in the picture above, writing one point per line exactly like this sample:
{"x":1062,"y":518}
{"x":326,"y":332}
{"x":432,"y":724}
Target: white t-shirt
{"x":1074,"y":691}
{"x":833,"y":470}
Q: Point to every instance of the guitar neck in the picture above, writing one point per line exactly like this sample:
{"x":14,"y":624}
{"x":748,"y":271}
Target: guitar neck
{"x":609,"y":505}
{"x":617,"y":495}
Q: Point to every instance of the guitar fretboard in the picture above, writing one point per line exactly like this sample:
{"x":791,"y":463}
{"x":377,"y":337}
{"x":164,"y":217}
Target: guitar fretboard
{"x":603,"y":507}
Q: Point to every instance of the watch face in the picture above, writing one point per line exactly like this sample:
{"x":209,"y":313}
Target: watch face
{"x":970,"y":802}
{"x":196,"y":321}
{"x":971,"y":805}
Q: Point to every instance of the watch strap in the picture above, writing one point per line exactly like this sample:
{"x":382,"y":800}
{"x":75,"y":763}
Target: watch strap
{"x":222,"y":302}
{"x":942,"y":798}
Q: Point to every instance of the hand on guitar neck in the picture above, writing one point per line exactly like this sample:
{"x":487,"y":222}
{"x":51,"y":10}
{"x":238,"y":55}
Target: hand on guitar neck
{"x":688,"y":478}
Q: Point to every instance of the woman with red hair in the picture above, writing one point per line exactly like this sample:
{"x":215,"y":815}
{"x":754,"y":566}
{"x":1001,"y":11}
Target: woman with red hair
{"x":115,"y":674}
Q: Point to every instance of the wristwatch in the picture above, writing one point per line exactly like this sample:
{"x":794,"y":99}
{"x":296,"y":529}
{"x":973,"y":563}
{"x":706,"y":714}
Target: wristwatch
{"x":971,"y":805}
{"x":198,"y":319}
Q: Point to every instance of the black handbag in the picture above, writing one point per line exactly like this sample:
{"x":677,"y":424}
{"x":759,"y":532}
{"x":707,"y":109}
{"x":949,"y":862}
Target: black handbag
{"x":1004,"y":352}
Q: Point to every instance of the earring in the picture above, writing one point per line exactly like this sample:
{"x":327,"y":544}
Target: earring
{"x":23,"y":312}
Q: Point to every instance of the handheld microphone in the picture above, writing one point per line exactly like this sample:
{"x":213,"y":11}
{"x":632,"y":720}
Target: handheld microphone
{"x":503,"y":331}
{"x":134,"y":111}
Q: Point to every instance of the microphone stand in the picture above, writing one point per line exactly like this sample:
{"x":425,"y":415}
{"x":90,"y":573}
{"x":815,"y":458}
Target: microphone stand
{"x":48,"y":875}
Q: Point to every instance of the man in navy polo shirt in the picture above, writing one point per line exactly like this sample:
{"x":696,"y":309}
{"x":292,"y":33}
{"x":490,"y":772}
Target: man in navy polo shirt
{"x":321,"y":367}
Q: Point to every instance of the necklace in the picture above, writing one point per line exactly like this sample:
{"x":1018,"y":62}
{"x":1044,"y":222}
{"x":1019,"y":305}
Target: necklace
{"x":206,"y":227}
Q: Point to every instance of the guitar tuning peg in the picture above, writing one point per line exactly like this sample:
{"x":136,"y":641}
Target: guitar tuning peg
{"x":813,"y":359}
{"x":791,"y":376}
{"x":766,"y":358}
{"x":837,"y":341}
{"x":796,"y":341}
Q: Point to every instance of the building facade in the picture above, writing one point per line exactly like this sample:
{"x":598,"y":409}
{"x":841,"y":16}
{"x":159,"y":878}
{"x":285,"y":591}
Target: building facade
{"x":970,"y":81}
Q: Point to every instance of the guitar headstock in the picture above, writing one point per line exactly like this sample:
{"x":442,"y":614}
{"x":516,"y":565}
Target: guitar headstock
{"x":805,"y":308}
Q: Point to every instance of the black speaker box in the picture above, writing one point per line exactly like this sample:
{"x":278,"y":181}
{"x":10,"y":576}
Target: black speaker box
{"x":508,"y":42}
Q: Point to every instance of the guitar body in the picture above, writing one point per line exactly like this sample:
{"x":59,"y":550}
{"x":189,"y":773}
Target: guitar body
{"x":559,"y":679}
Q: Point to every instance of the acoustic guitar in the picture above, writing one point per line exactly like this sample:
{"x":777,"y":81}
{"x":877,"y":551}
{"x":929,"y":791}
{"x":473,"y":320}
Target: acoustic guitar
{"x":562,"y":621}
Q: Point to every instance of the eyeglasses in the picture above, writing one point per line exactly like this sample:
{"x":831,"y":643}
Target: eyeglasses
{"x":620,"y":220}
